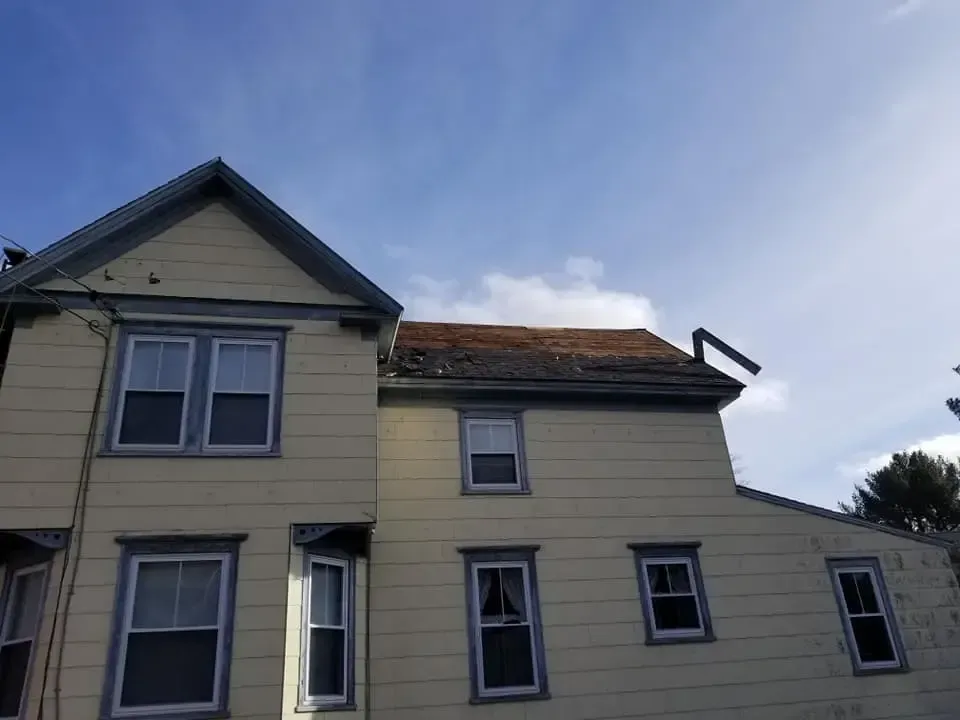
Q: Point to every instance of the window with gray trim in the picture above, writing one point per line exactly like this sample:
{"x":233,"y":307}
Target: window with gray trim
{"x":868,"y":620}
{"x":328,"y":626}
{"x":173,"y":628}
{"x":506,"y":640}
{"x":195,"y":390}
{"x":671,"y":589}
{"x":492,"y":448}
{"x":20,"y":615}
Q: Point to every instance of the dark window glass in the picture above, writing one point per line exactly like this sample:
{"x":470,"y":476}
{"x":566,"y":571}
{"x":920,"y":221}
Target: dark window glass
{"x":507,"y":656}
{"x":873,"y":640}
{"x":326,"y":662}
{"x":239,"y":419}
{"x":169,"y":668}
{"x":151,"y":418}
{"x":858,"y":593}
{"x":490,"y":469}
{"x":677,"y":612}
{"x":14,"y":659}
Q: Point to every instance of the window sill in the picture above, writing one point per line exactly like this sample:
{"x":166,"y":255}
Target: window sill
{"x":325,"y":708}
{"x":191,"y":453}
{"x":495,"y":491}
{"x":708,"y":638}
{"x":487,"y":699}
{"x":881,"y":671}
{"x":189,"y":715}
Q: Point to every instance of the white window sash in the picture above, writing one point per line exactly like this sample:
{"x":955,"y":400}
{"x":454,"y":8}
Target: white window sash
{"x":125,"y":383}
{"x":515,"y":451}
{"x":694,"y":593}
{"x":849,"y":616}
{"x":345,"y":590}
{"x":5,"y":622}
{"x":482,"y":689}
{"x":128,"y":629}
{"x":211,"y":391}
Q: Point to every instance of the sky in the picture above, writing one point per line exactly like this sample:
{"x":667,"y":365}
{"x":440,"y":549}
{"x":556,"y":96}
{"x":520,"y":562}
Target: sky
{"x":784,"y":174}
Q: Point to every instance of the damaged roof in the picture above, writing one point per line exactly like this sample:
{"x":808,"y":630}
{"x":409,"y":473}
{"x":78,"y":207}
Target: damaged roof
{"x":454,"y":351}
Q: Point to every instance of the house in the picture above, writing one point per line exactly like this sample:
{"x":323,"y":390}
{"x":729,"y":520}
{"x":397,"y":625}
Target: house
{"x":234,"y":483}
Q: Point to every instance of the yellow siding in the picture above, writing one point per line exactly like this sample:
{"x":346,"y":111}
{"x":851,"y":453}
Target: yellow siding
{"x":600,"y":480}
{"x":327,"y":474}
{"x":211,"y":254}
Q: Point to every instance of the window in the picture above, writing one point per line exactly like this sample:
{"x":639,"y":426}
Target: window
{"x":867,"y":618}
{"x":504,"y":623}
{"x":189,"y":390}
{"x":173,"y":626}
{"x":22,"y":612}
{"x":327,"y":640}
{"x":492,"y":451}
{"x":671,"y":588}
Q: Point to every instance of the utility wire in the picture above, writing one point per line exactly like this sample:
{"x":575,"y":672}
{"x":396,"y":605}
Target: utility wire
{"x":92,"y":324}
{"x":98,"y":300}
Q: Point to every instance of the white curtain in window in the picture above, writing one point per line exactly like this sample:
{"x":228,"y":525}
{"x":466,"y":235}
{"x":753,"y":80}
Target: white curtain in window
{"x":511,"y":580}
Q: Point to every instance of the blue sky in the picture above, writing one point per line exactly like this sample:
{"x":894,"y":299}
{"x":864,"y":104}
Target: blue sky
{"x":784,"y":174}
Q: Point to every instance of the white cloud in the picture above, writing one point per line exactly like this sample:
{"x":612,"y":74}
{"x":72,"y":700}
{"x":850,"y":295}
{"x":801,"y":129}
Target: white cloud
{"x":573,"y":298}
{"x":946,"y":445}
{"x":903,"y":9}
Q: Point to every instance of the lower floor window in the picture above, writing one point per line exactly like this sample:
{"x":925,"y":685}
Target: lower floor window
{"x":671,"y":589}
{"x":173,"y":623}
{"x":866,"y":615}
{"x":328,"y":602}
{"x":22,"y":611}
{"x":504,"y":624}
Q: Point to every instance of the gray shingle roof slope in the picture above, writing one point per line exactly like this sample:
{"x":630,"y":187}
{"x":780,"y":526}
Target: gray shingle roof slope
{"x":507,"y":352}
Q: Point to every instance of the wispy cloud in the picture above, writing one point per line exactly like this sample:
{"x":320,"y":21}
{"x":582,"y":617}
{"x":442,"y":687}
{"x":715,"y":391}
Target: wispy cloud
{"x":946,"y":445}
{"x":902,"y":9}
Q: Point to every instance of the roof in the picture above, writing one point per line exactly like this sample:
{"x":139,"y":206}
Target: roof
{"x":136,"y":222}
{"x":456,"y":351}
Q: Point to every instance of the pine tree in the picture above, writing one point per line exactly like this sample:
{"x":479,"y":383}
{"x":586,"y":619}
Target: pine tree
{"x":914,"y":492}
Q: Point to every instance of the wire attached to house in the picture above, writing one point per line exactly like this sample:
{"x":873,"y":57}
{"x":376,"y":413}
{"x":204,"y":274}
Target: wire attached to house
{"x":92,"y":324}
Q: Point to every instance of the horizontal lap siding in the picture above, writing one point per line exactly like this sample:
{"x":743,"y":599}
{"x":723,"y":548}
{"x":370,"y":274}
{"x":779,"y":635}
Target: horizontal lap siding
{"x":600,"y":481}
{"x":211,"y":254}
{"x":327,"y":474}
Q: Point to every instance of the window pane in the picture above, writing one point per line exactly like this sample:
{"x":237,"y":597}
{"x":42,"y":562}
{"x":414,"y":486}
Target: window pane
{"x":155,"y":595}
{"x":14,"y":659}
{"x":257,"y":375}
{"x":166,"y":668}
{"x":492,"y":437}
{"x":25,"y":601}
{"x":502,"y":595}
{"x":326,"y":662}
{"x":658,"y":578}
{"x":493,"y":470}
{"x":679,"y":576}
{"x":507,"y":657}
{"x":173,"y":366}
{"x":873,"y":641}
{"x":229,"y":368}
{"x":151,"y":418}
{"x":858,"y":593}
{"x":326,"y":594}
{"x":239,"y":419}
{"x":868,"y":597}
{"x":675,"y":613}
{"x":199,"y":601}
{"x":144,"y":361}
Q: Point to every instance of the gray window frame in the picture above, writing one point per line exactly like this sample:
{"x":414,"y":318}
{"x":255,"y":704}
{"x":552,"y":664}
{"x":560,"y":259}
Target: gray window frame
{"x":688,"y":553}
{"x":512,"y":555}
{"x":14,"y":566}
{"x":307,"y":703}
{"x":836,"y":565}
{"x":522,"y":486}
{"x":137,"y":547}
{"x":199,"y":386}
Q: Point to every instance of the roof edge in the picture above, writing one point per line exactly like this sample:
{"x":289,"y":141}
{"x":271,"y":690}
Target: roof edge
{"x":785,"y":502}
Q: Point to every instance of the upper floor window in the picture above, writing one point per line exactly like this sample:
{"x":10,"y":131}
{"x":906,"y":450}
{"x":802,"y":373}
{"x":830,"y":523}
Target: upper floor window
{"x":21,"y":611}
{"x":867,"y":618}
{"x":671,"y":588}
{"x":172,"y":628}
{"x":492,"y":452}
{"x":197,"y":390}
